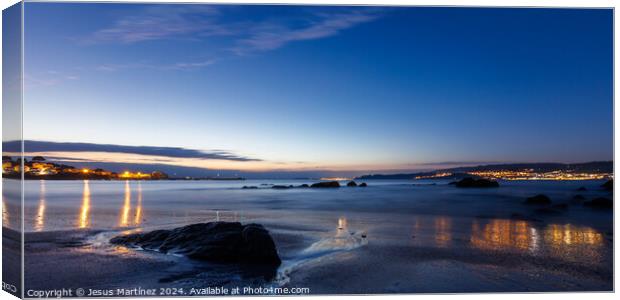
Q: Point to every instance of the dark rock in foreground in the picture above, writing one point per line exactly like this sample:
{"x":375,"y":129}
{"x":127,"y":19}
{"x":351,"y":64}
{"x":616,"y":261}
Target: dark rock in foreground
{"x":538,"y":200}
{"x":352,"y":183}
{"x":363,"y":184}
{"x":326,"y":184}
{"x":604,"y":203}
{"x":476,"y":183}
{"x":609,"y":185}
{"x":220,"y":242}
{"x":304,"y":185}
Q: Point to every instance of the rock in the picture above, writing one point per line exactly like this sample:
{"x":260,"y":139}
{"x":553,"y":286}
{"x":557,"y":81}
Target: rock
{"x":602,"y":203}
{"x":476,"y":183}
{"x":221,"y":242}
{"x":250,"y":187}
{"x":363,"y":184}
{"x":280,"y":187}
{"x":304,"y":186}
{"x":582,"y":189}
{"x":609,"y":185}
{"x":326,"y":184}
{"x":352,"y":183}
{"x":538,"y":200}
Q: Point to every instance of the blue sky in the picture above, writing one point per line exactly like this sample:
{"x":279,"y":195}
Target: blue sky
{"x":292,"y":88}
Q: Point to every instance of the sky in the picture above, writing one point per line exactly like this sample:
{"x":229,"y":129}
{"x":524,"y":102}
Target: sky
{"x":311,"y":88}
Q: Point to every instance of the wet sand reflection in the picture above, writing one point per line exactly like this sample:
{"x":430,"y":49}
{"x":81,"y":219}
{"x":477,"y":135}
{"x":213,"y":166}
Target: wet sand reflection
{"x":504,"y":234}
{"x":564,"y":241}
{"x":344,"y":239}
{"x":443,"y":231}
{"x":39,"y":220}
{"x":84,"y":219}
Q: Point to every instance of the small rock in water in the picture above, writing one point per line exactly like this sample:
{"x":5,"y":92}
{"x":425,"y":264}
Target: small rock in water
{"x":326,"y":184}
{"x":304,"y":185}
{"x":352,"y":184}
{"x":538,"y":200}
{"x":363,"y":184}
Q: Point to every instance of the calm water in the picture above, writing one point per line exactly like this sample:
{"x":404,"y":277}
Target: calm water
{"x":62,"y":205}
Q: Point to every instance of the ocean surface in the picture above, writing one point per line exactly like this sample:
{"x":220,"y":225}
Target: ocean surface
{"x":388,"y":214}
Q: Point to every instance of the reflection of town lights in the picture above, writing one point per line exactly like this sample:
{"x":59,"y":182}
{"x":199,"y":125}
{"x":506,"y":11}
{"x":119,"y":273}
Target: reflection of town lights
{"x":342,"y":223}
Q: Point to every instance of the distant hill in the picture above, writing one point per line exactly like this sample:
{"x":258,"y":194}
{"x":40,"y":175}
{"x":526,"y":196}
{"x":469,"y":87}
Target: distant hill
{"x":588,"y":167}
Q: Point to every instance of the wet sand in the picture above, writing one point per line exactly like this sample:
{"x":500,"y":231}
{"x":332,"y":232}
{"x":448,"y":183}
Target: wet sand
{"x":394,"y":238}
{"x":339,"y":263}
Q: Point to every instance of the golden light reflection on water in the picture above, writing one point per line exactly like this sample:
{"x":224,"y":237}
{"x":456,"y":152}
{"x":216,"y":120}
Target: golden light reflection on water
{"x":124,"y":217}
{"x":39,"y":220}
{"x":138,"y":217}
{"x":84,"y":219}
{"x":443,"y":231}
{"x":5,"y":214}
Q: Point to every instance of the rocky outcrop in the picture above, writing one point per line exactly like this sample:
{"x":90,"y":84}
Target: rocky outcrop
{"x":476,"y":183}
{"x":363,"y":184}
{"x":352,"y":184}
{"x":326,"y":184}
{"x":221,"y":242}
{"x":538,"y":200}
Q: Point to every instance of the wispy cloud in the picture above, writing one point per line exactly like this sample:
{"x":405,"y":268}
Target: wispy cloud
{"x":45,"y":79}
{"x":160,"y":22}
{"x":175,"y":66}
{"x":171,"y":152}
{"x":269,"y":36}
{"x":200,"y":22}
